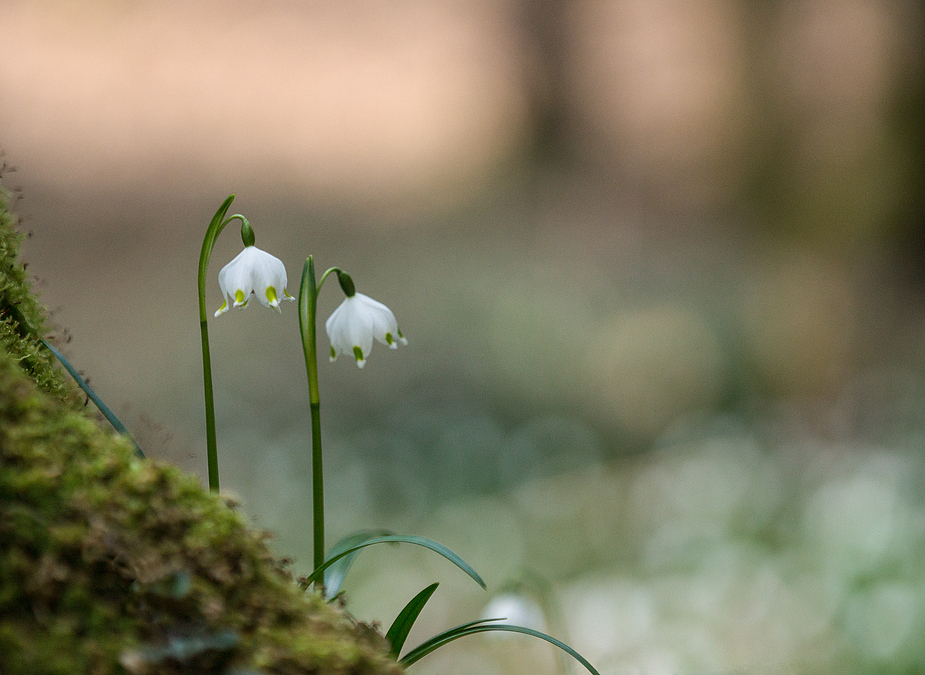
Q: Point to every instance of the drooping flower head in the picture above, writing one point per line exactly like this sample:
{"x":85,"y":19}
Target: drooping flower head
{"x":517,"y":609}
{"x":357,"y":321}
{"x":253,"y":271}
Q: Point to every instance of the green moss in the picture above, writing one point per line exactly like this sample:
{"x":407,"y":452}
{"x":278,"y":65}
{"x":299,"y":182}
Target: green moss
{"x":22,"y":318}
{"x":113,"y":564}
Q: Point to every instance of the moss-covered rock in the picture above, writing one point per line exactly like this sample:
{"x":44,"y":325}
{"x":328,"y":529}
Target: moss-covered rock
{"x":110,"y":563}
{"x":22,"y":318}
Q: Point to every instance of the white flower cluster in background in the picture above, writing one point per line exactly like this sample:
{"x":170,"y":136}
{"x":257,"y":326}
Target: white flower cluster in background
{"x":715,"y":553}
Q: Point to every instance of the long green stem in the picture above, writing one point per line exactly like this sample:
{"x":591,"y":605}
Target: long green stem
{"x":211,"y":442}
{"x":215,"y":228}
{"x":308,"y":297}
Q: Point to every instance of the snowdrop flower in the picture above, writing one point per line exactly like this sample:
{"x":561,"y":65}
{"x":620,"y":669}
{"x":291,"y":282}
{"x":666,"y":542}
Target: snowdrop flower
{"x":517,"y":609}
{"x":253,"y":271}
{"x":353,"y":325}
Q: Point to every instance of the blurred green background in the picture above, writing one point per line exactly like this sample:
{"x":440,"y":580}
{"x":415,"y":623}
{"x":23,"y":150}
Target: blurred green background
{"x":660,"y":264}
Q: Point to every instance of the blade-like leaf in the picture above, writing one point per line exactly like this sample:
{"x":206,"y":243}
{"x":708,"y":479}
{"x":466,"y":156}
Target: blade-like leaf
{"x":107,"y":413}
{"x":335,"y":574}
{"x":215,"y":227}
{"x":483,"y":627}
{"x":400,"y":628}
{"x":400,"y":539}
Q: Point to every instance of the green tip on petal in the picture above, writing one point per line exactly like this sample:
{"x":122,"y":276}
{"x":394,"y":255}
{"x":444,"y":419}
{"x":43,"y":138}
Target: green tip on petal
{"x":358,"y":354}
{"x":222,"y":309}
{"x":239,"y":297}
{"x":271,"y":295}
{"x":389,"y":340}
{"x":333,"y":354}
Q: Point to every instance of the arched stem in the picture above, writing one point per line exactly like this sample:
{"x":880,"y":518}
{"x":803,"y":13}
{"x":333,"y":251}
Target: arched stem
{"x":208,"y":243}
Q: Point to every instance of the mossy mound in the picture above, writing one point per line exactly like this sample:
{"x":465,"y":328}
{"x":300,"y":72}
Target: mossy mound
{"x":112,"y":564}
{"x":22,"y":318}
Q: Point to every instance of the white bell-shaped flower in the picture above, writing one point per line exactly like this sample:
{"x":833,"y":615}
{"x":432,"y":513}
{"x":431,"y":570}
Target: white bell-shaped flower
{"x":517,"y":610}
{"x":353,"y":325}
{"x":253,"y":271}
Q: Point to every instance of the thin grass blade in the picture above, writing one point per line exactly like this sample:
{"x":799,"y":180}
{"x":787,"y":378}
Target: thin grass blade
{"x":107,"y":413}
{"x":438,"y":641}
{"x":399,"y":539}
{"x":398,"y":631}
{"x":335,"y":574}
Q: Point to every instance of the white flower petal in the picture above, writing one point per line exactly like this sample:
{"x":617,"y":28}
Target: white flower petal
{"x":253,"y":271}
{"x":356,"y":322}
{"x":518,"y":610}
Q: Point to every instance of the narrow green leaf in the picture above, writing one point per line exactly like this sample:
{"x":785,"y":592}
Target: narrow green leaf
{"x":107,"y":413}
{"x":400,"y":539}
{"x":335,"y":574}
{"x":215,"y":228}
{"x":483,"y":627}
{"x":398,"y":632}
{"x":215,"y":224}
